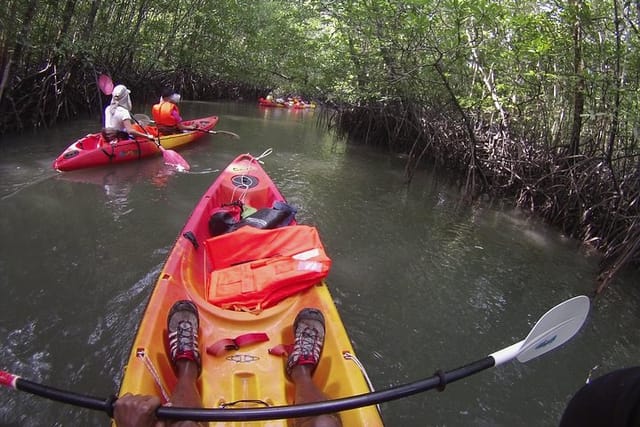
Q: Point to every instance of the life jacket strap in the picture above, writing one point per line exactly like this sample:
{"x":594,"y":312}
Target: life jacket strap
{"x":220,"y":347}
{"x":282,"y":350}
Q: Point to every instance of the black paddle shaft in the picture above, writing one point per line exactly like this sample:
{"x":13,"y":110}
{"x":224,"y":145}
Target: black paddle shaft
{"x":439,"y":381}
{"x":52,"y":393}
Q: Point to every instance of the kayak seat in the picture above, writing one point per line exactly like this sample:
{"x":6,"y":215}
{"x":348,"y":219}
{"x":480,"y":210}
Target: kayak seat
{"x":90,"y":142}
{"x":280,"y":215}
{"x":230,"y":218}
{"x":110,"y":134}
{"x":254,"y":269}
{"x":223,"y":218}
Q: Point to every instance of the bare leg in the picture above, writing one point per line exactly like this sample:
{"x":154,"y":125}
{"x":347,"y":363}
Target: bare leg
{"x":308,"y":330}
{"x":182,"y":327}
{"x":186,"y":394}
{"x":307,"y":392}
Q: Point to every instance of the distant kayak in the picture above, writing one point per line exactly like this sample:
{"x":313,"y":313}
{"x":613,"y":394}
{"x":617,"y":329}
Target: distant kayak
{"x":267,"y":103}
{"x":286,"y":104}
{"x":93,"y":150}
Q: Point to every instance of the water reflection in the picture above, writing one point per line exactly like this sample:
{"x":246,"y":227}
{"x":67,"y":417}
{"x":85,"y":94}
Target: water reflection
{"x":118,"y":181}
{"x":422,"y":281}
{"x":268,"y":113}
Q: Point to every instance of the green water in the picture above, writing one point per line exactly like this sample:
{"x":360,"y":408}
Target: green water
{"x":422,"y":281}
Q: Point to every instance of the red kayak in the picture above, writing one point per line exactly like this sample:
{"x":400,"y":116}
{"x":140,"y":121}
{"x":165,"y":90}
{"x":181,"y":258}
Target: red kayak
{"x":268,"y":103}
{"x":92,"y":150}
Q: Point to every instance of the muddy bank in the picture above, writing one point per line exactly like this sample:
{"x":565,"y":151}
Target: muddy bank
{"x":587,"y":197}
{"x":53,"y":95}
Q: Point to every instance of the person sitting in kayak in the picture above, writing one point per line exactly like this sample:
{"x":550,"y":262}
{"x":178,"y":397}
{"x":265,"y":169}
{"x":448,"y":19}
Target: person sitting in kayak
{"x":118,"y":123}
{"x":183,"y":323}
{"x":167,"y":115}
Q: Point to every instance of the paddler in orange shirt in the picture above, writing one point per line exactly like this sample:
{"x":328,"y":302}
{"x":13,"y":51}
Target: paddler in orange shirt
{"x":167,"y":115}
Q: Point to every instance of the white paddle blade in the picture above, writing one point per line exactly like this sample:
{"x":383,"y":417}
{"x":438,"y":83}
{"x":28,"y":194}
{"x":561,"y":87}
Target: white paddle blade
{"x":143,"y":119}
{"x":556,"y":327}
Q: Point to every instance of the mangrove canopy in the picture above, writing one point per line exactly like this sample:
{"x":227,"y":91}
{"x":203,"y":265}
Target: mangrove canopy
{"x":531,"y":101}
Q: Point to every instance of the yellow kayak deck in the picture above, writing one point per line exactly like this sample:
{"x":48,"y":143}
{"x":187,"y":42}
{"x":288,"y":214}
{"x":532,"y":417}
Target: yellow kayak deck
{"x":205,"y":124}
{"x":249,"y":376}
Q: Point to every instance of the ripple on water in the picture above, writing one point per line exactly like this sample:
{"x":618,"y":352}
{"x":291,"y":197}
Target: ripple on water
{"x":421,"y":281}
{"x":113,"y":335}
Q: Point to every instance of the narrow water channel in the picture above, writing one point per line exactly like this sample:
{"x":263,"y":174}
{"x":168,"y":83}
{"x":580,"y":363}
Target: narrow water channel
{"x":422,"y":281}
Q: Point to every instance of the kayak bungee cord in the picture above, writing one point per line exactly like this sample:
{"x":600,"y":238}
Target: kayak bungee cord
{"x":360,"y":366}
{"x":142,"y":354}
{"x":553,"y":329}
{"x":247,"y":181}
{"x":264,"y":154}
{"x":354,"y":359}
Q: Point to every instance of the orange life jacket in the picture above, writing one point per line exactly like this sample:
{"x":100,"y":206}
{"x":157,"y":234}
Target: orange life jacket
{"x":162,"y":113}
{"x":254,"y":269}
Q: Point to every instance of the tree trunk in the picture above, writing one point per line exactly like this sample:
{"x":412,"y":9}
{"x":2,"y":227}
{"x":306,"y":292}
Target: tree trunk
{"x":616,"y":103}
{"x":578,"y":67}
{"x":15,"y":48}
